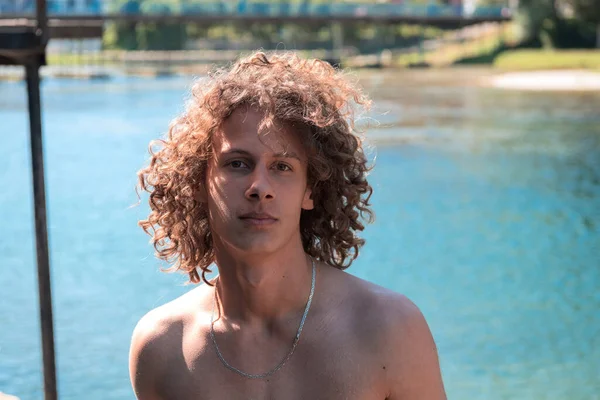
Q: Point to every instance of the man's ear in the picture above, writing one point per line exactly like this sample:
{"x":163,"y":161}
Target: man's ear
{"x":307,"y":201}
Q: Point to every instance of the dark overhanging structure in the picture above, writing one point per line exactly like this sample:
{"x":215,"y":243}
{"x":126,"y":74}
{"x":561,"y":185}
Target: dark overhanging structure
{"x":89,"y":23}
{"x":25,"y":44}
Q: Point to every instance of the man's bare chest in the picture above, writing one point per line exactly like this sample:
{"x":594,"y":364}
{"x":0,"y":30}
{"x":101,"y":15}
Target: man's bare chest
{"x":330,"y":371}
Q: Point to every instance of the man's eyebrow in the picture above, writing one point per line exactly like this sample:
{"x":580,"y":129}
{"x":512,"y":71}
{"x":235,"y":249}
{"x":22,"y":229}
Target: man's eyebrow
{"x":236,"y":151}
{"x":287,"y":154}
{"x":283,"y":154}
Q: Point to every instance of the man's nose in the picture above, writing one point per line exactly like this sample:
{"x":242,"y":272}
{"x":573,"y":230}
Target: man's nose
{"x":260,"y":187}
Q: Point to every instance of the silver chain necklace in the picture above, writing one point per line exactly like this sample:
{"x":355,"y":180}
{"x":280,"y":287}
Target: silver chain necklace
{"x":294,"y":344}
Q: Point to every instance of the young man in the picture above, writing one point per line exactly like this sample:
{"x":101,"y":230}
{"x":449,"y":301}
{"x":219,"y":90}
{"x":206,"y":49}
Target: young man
{"x":264,"y":176}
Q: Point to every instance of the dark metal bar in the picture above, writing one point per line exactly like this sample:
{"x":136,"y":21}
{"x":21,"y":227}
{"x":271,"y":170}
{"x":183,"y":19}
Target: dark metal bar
{"x":41,"y":15}
{"x":41,"y":234}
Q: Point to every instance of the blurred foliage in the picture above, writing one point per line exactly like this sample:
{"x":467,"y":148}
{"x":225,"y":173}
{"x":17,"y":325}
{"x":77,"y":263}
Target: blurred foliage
{"x":549,"y":23}
{"x":364,"y":36}
{"x":148,"y":35}
{"x":588,"y":10}
{"x":545,"y":24}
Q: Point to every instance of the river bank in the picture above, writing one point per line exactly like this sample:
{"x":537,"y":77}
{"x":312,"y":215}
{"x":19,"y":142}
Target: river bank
{"x":540,"y":80}
{"x":561,"y":80}
{"x":95,"y":72}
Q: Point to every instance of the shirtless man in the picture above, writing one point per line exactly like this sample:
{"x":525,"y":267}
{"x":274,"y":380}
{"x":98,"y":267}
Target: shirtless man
{"x":264,"y":176}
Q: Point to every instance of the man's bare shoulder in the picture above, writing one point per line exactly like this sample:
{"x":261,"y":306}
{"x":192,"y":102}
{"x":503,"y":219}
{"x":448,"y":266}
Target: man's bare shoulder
{"x":172,"y":315}
{"x":395,"y":329}
{"x":384,"y":307}
{"x":157,"y":338}
{"x":398,"y":319}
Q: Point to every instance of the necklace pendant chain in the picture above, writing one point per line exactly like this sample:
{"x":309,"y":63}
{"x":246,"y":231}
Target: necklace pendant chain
{"x":294,"y":344}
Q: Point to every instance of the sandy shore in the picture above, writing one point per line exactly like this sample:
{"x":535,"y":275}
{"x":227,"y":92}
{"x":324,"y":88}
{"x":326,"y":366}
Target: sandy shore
{"x":562,"y":80}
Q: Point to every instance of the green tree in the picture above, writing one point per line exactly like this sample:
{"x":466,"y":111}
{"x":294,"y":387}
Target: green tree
{"x":588,"y":10}
{"x":533,"y":15}
{"x":558,"y":23}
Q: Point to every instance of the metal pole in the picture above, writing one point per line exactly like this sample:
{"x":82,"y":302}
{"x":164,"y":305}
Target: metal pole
{"x":41,"y":234}
{"x":42,"y":17}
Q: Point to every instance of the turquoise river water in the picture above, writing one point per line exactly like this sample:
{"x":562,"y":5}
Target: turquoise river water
{"x":488,"y":217}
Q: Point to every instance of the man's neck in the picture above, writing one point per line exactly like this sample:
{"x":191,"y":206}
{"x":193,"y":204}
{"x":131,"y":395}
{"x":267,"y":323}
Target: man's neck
{"x":263,"y":288}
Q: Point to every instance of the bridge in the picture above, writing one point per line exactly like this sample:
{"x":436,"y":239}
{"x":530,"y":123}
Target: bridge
{"x":86,"y":18}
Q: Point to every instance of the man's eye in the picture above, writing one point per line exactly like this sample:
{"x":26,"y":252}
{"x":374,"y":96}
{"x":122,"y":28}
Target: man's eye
{"x":235,"y":164}
{"x":283,"y":167}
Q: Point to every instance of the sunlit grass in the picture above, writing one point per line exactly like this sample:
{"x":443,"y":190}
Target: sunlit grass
{"x":546,"y":59}
{"x":451,"y":49}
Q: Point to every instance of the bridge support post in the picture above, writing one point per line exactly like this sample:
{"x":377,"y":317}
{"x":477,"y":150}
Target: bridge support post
{"x":422,"y":43}
{"x":337,"y":41}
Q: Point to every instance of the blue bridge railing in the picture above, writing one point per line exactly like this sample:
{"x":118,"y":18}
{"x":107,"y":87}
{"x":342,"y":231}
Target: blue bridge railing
{"x":217,"y":9}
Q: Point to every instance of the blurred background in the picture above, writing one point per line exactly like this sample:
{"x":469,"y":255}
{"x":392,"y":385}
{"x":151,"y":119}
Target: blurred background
{"x":485,"y":135}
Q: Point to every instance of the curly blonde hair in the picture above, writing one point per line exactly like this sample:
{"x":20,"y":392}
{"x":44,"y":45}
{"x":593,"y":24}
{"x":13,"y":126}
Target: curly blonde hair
{"x":288,"y":89}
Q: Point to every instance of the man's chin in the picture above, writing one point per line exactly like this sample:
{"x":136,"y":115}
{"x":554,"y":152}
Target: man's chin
{"x":250,"y":249}
{"x":257,"y":244}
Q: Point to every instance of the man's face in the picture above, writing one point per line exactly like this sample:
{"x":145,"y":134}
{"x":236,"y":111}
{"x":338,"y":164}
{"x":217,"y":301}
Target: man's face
{"x":256,"y":184}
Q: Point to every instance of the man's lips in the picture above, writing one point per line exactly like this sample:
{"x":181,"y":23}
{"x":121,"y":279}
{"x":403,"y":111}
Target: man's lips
{"x":254,"y":215}
{"x":258,"y":218}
